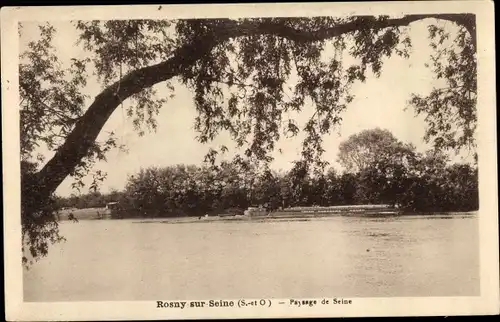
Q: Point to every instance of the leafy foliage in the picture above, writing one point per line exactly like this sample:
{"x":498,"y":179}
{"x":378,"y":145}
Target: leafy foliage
{"x":121,"y":46}
{"x":51,"y":103}
{"x":362,"y":150}
{"x":242,"y":85}
{"x":451,"y":110}
{"x":41,"y":229}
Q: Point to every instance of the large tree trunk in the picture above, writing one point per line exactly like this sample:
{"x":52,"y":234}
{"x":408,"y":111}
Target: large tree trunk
{"x":42,"y":184}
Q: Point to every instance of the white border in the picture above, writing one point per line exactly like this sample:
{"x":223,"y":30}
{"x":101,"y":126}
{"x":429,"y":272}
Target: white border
{"x":487,"y":303}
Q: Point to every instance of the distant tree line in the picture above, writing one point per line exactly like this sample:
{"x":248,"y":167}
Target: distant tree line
{"x":379,"y":169}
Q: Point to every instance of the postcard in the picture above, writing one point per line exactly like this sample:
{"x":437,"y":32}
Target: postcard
{"x":249,"y":160}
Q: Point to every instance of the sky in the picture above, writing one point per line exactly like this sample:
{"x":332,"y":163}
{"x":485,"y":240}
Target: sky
{"x":379,"y":102}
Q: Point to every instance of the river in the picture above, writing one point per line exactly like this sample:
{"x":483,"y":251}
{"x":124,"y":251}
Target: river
{"x":348,"y":256}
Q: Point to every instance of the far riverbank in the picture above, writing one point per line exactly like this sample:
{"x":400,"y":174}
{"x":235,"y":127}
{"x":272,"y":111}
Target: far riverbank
{"x":103,"y":214}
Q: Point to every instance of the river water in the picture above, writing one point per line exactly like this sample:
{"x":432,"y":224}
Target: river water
{"x":345,"y":256}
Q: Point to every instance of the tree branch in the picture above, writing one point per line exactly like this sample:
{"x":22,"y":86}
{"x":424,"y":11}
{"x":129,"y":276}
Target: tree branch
{"x":280,"y":29}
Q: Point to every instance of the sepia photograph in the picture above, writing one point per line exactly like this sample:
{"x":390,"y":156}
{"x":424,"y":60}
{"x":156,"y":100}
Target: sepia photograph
{"x":224,"y":160}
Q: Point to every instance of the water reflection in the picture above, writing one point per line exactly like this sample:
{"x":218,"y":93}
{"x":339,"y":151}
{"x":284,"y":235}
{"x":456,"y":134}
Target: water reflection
{"x":351,"y":256}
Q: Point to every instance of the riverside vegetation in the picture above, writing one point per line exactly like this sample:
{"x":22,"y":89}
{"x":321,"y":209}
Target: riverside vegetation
{"x":381,"y":170}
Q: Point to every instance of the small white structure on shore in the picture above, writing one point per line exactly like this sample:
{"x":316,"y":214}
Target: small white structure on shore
{"x":255,"y":211}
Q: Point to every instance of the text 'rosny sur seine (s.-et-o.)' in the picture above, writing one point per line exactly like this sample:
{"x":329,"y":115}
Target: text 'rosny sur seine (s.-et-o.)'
{"x":249,"y":303}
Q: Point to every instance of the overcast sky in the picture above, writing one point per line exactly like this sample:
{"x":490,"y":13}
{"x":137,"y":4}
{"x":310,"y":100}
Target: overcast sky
{"x":379,"y":102}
